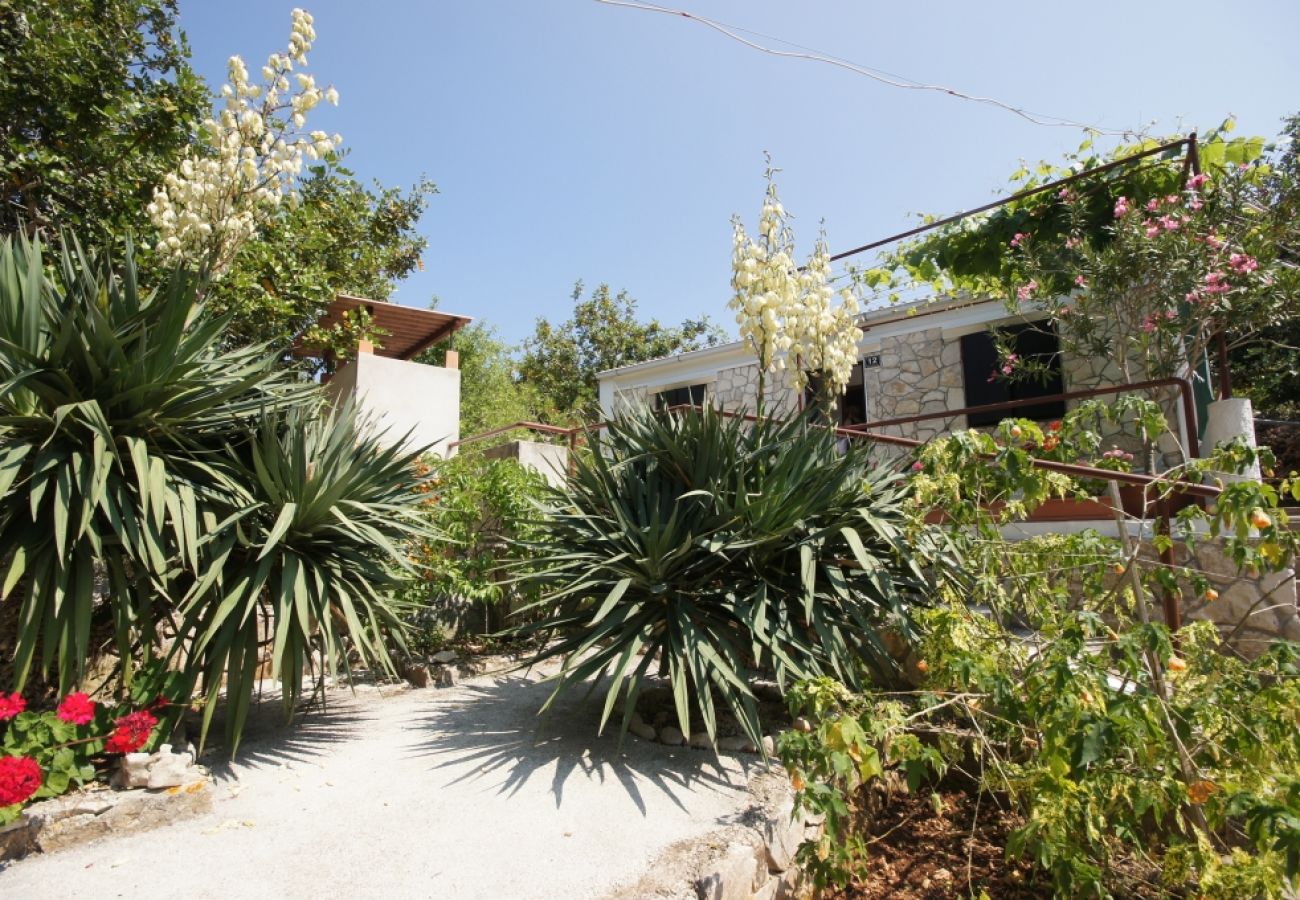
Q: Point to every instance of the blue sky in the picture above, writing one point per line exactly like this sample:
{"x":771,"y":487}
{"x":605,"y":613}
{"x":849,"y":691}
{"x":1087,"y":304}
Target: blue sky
{"x":571,"y":139}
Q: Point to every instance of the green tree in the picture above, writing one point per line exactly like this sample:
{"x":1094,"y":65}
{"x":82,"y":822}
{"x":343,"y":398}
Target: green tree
{"x":99,"y":100}
{"x":342,"y":238}
{"x":561,"y":362}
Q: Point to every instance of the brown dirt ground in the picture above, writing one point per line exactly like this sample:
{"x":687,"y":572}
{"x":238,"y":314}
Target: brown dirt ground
{"x":915,"y":853}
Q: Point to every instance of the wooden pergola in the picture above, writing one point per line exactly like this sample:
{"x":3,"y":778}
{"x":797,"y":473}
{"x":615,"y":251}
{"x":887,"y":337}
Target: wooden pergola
{"x":409,"y":331}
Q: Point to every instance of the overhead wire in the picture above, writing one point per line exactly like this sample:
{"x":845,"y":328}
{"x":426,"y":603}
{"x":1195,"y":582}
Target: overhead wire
{"x":887,"y":78}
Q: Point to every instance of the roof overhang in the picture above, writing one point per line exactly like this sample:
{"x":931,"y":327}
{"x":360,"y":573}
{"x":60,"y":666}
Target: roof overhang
{"x":405,"y":330}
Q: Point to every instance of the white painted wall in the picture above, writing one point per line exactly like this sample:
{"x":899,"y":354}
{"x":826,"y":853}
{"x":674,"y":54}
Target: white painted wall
{"x":396,"y":397}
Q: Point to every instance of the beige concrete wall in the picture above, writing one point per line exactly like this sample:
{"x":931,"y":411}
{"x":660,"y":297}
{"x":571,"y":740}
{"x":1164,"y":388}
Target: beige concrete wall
{"x":402,"y":401}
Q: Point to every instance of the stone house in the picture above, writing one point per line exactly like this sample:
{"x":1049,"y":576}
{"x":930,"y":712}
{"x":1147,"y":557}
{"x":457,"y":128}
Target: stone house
{"x":923,"y":358}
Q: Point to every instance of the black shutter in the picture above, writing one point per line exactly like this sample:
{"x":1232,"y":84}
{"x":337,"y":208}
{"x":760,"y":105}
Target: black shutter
{"x":979,"y":362}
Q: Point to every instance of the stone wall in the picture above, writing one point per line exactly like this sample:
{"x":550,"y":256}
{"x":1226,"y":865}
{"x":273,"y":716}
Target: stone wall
{"x":736,"y":390}
{"x":918,"y":373}
{"x":1251,"y":611}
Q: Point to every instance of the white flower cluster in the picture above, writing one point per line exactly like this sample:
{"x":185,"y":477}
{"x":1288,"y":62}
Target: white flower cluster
{"x":787,"y":314}
{"x":248,"y":161}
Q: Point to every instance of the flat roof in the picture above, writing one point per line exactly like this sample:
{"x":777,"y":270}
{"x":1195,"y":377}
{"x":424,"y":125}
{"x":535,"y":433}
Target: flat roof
{"x":410,"y":331}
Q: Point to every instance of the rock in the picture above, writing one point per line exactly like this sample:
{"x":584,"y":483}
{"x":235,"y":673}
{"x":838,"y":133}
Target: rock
{"x":671,"y":736}
{"x":701,"y":741}
{"x":782,"y":836}
{"x":643,"y":731}
{"x":802,"y":724}
{"x":170,"y":770}
{"x":442,"y":657}
{"x":418,"y":674}
{"x":133,"y":770}
{"x":769,"y":745}
{"x":444,"y":676}
{"x":736,"y":743}
{"x":732,"y":878}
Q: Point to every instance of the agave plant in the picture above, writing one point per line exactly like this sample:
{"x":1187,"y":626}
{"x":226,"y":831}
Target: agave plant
{"x":712,"y":551}
{"x":113,"y":406}
{"x":311,"y":558}
{"x":151,"y":475}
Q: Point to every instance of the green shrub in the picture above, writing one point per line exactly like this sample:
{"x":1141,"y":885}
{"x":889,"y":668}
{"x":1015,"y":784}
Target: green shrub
{"x":718,"y":551}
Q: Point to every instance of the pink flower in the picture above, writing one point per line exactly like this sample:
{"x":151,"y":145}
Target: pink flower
{"x":1170,"y":315}
{"x":1170,"y":223}
{"x":1217,"y":283}
{"x":77,"y":709}
{"x":916,"y":466}
{"x":1065,"y":194}
{"x":1153,"y":205}
{"x":1148,"y":325}
{"x":1121,"y":207}
{"x":1171,"y":198}
{"x":1152,"y":229}
{"x":1195,"y":205}
{"x":1197,"y":181}
{"x":1072,"y":241}
{"x":1080,"y":281}
{"x":1064,"y":311}
{"x":1214,"y":241}
{"x":1025,"y":291}
{"x":1018,"y":239}
{"x":1192,"y":297}
{"x":1243,"y":264}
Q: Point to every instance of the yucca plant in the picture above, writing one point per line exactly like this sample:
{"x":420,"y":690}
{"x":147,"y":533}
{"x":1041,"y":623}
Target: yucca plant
{"x":714,"y":551}
{"x":114,"y":404}
{"x":310,"y":559}
{"x":173,"y":491}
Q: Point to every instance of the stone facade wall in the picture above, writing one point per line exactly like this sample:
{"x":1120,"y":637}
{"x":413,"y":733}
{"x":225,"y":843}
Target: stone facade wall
{"x":736,"y":390}
{"x":1251,"y":611}
{"x":918,"y":373}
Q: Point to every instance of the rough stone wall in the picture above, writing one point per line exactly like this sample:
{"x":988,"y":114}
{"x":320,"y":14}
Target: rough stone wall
{"x":1251,"y":611}
{"x":736,"y":390}
{"x":918,"y":373}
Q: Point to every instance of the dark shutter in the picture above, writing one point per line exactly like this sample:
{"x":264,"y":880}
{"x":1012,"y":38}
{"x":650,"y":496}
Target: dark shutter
{"x":984,"y":385}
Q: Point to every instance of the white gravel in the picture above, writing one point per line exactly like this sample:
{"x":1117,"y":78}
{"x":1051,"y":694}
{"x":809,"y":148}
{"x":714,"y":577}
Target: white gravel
{"x":450,"y":793}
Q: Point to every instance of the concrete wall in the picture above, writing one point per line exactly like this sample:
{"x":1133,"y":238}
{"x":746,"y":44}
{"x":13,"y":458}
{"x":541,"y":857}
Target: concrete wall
{"x":396,"y":397}
{"x":550,"y":460}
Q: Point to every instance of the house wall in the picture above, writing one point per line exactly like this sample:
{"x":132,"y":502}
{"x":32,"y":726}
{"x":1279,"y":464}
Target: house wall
{"x":402,"y":402}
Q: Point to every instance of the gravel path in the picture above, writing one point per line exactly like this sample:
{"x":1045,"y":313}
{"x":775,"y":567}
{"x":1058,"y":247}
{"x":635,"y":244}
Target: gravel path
{"x":449,"y":793}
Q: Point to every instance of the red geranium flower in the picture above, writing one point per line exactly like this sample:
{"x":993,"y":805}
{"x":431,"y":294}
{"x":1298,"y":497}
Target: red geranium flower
{"x":11,"y":705}
{"x":20,"y":777}
{"x":132,"y":732}
{"x":77,"y":709}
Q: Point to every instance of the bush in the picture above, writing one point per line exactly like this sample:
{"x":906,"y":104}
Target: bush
{"x":719,"y":551}
{"x":483,"y":512}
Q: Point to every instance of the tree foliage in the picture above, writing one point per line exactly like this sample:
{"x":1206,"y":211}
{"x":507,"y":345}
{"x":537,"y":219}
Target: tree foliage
{"x":341,"y":238}
{"x":99,"y":101}
{"x":561,"y":361}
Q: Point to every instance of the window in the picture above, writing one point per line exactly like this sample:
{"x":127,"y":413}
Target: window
{"x":851,"y":409}
{"x":980,"y":363}
{"x":687,"y":395}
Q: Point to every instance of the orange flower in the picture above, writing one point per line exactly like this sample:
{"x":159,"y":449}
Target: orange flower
{"x":1260,"y":519}
{"x":1200,"y":791}
{"x":796,"y":780}
{"x":1211,"y":595}
{"x":922,"y":666}
{"x":1177,"y":664}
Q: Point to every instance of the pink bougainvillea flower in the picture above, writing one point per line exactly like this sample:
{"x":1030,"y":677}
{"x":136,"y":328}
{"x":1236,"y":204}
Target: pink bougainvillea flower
{"x":1152,"y":205}
{"x":1018,"y":239}
{"x":11,"y":705}
{"x":1170,"y":223}
{"x":77,"y":709}
{"x":20,"y":777}
{"x":1216,"y":283}
{"x":1121,"y":207}
{"x":1197,"y":181}
{"x":1025,"y":291}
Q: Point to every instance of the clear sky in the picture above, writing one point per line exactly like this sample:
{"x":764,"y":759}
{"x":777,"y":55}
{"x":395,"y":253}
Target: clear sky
{"x":571,"y":139}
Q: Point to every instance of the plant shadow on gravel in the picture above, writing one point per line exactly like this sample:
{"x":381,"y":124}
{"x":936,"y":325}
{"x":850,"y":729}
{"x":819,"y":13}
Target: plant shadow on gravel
{"x":270,"y":741}
{"x":495,"y":727}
